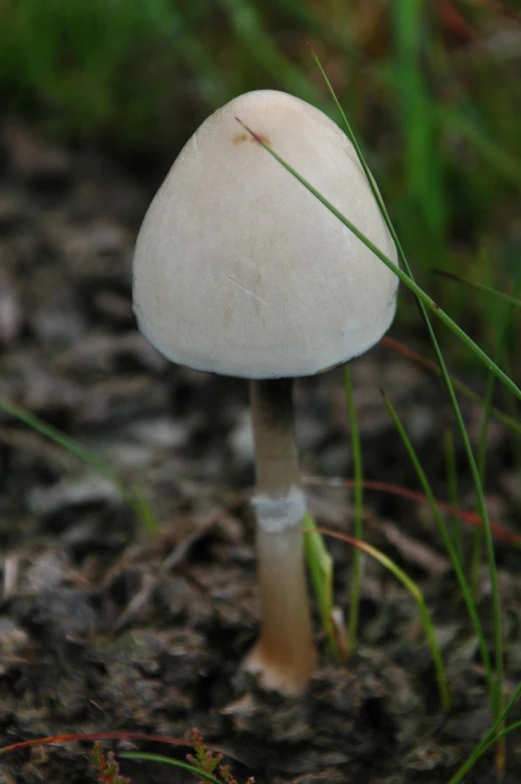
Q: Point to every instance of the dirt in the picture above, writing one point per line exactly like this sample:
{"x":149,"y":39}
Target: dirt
{"x":106,"y":627}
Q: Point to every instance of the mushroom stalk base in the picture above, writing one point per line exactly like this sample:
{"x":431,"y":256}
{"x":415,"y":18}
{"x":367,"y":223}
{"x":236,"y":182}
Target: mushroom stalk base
{"x":284,"y":657}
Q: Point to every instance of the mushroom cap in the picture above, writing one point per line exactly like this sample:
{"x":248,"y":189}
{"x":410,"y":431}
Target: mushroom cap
{"x":240,"y":270}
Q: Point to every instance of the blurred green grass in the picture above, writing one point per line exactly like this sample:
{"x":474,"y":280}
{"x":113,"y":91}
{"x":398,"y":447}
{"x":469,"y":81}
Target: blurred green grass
{"x":435,"y":102}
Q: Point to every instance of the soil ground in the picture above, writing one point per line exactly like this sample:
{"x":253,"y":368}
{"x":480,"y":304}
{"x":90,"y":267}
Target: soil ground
{"x":105,"y":627}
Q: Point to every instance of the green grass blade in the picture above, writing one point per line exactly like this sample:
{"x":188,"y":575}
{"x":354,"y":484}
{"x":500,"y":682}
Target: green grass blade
{"x":509,"y":420}
{"x":483,"y":438}
{"x":320,"y":565}
{"x":418,"y":597}
{"x":354,"y":604}
{"x":145,"y":756}
{"x":423,"y":174}
{"x":490,"y":738}
{"x":503,"y":162}
{"x":143,"y":509}
{"x":450,"y":119}
{"x":132,"y":495}
{"x":452,"y":488}
{"x":447,"y":541}
{"x":511,"y":364}
{"x":514,"y":300}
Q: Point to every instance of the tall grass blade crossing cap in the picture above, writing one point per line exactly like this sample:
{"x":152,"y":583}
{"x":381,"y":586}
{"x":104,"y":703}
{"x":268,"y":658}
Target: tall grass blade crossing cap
{"x":239,"y":270}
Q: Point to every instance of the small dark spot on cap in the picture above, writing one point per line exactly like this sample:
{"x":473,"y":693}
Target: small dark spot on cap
{"x":239,"y":138}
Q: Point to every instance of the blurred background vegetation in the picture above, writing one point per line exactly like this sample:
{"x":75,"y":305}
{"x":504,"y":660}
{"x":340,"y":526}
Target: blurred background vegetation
{"x":432,"y":88}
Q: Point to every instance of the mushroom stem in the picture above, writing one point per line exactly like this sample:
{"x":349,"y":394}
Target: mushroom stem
{"x":284,"y":657}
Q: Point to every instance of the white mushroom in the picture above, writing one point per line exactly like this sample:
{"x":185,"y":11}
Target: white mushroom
{"x":239,"y":270}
